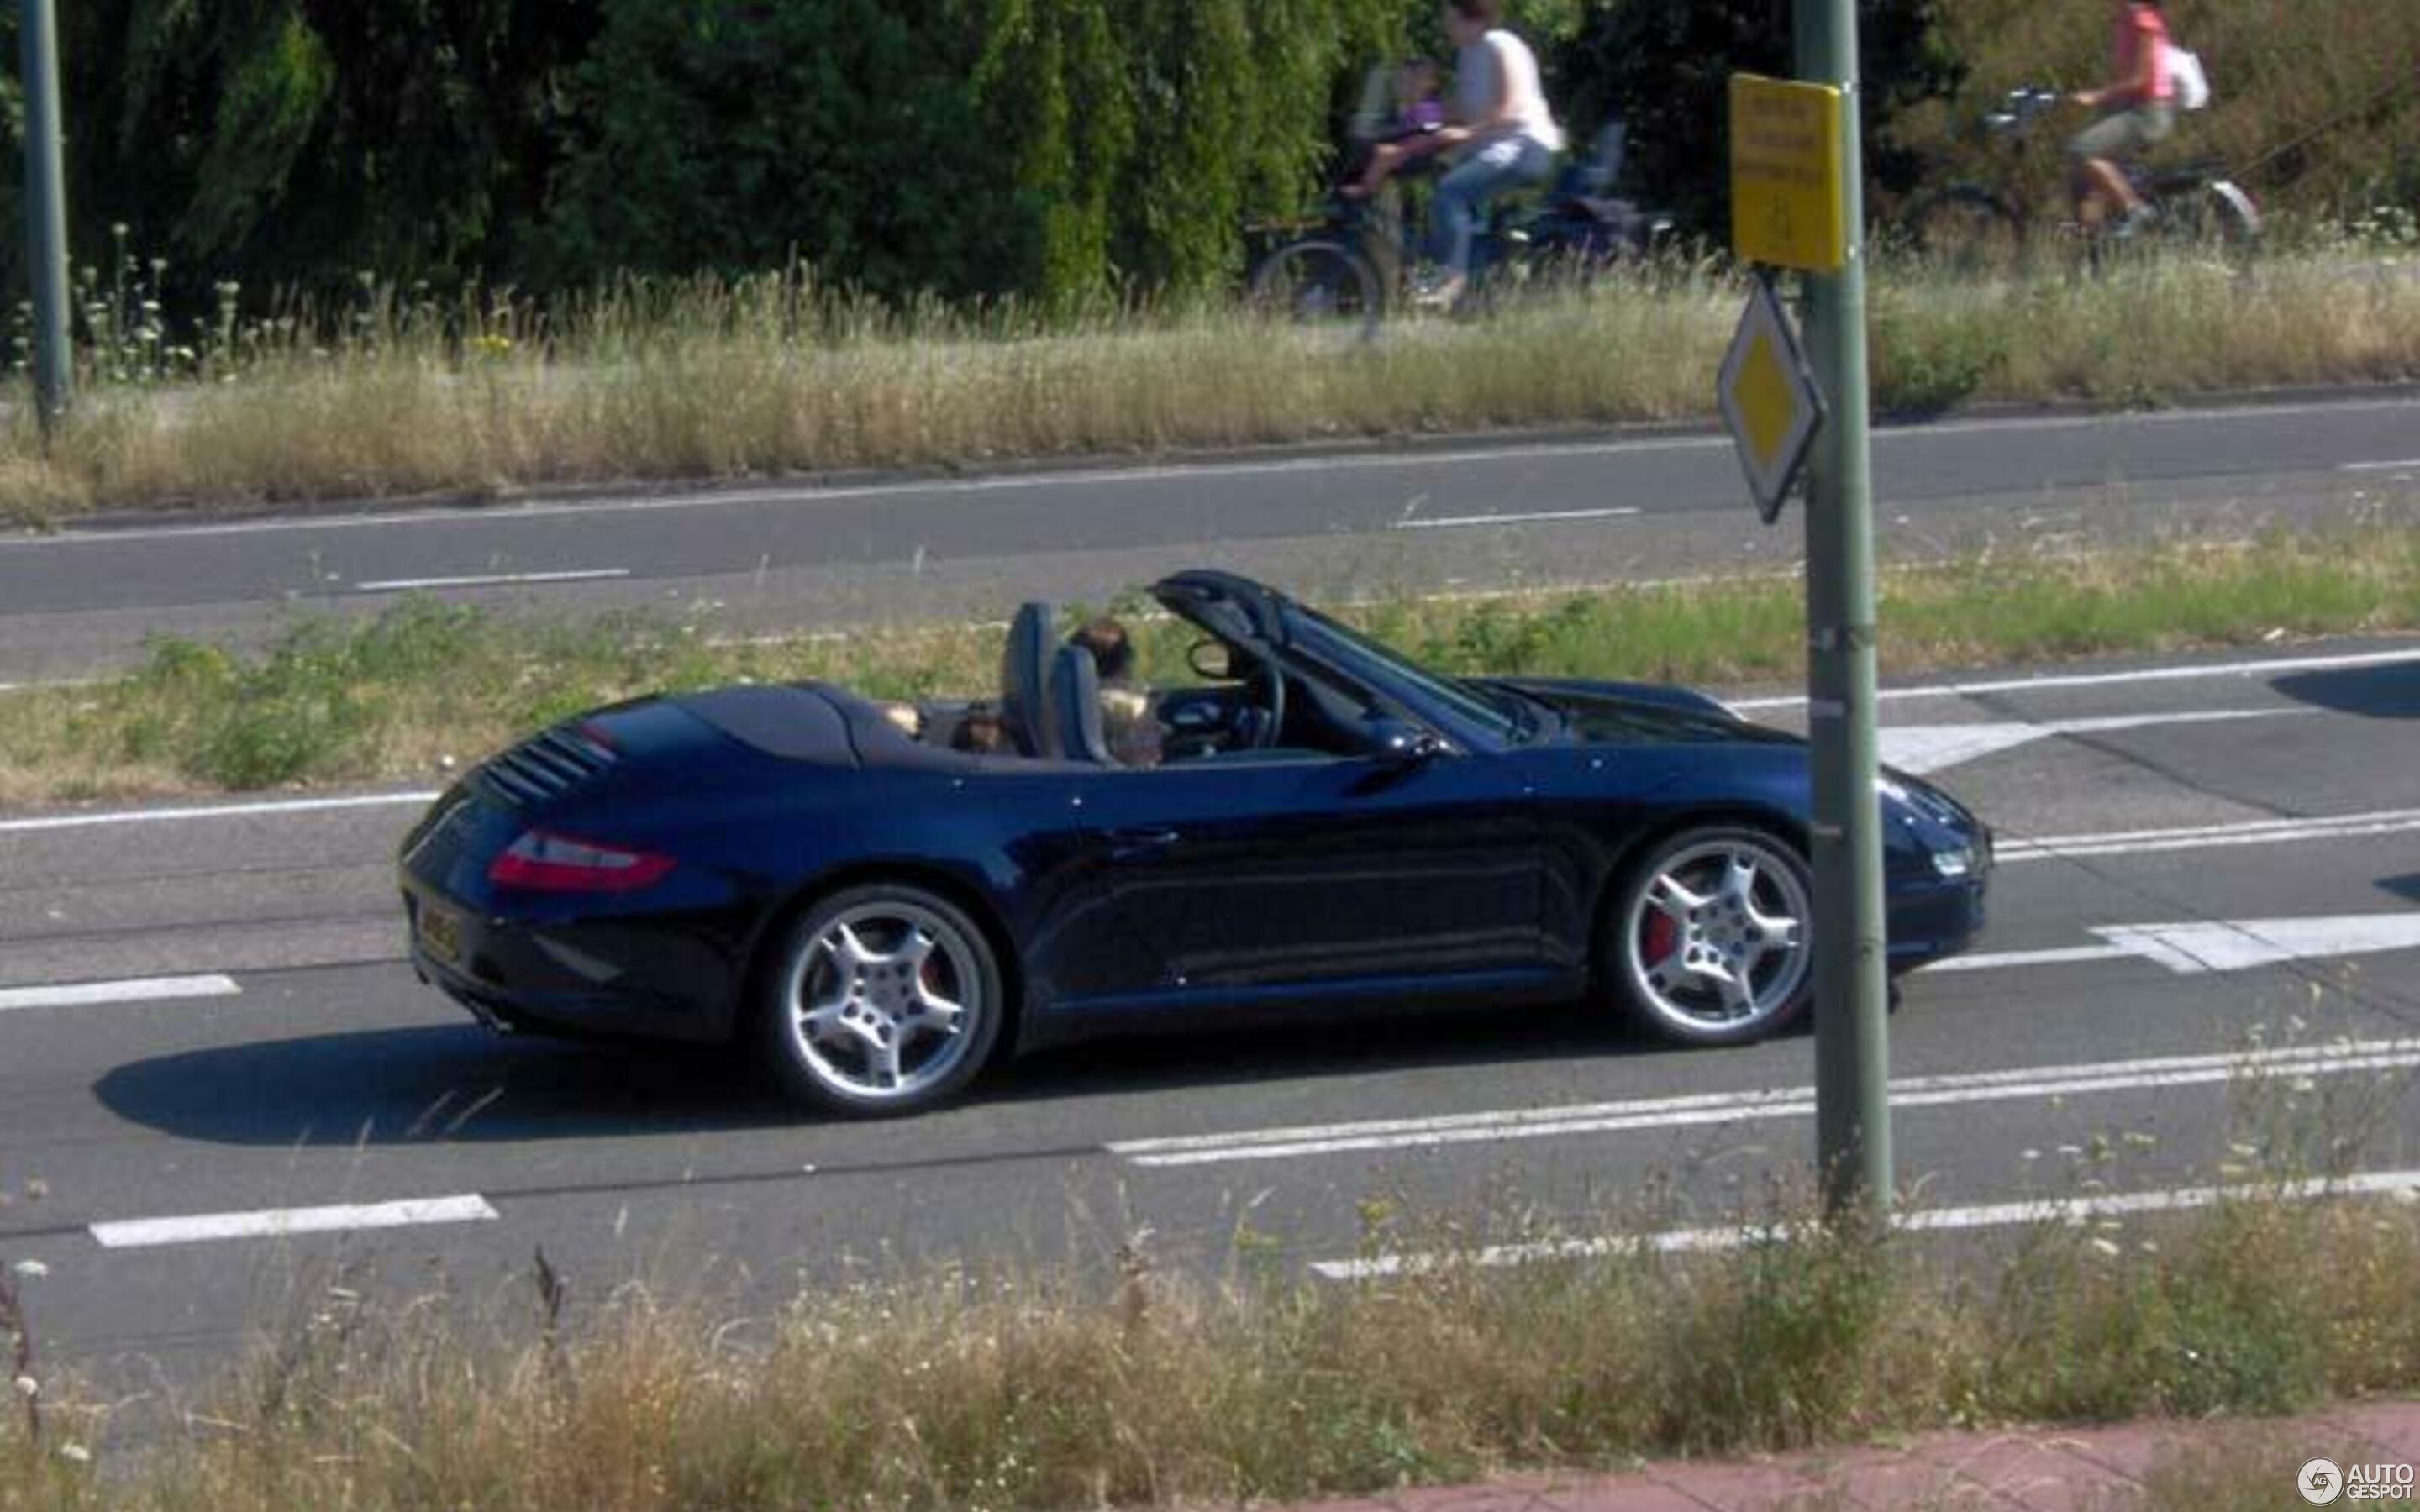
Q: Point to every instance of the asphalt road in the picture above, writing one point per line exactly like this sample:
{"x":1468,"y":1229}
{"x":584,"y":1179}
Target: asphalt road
{"x":2192,"y":851}
{"x":1331,"y":526}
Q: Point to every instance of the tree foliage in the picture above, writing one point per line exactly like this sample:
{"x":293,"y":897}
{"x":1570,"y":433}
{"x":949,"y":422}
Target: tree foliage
{"x":1664,"y":68}
{"x":298,"y":142}
{"x":1053,"y":148}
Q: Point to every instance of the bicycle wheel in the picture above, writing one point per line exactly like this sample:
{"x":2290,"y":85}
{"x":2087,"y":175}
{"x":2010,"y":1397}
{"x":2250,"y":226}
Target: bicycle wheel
{"x":2216,"y":216}
{"x":1324,"y":288}
{"x":1968,"y":233}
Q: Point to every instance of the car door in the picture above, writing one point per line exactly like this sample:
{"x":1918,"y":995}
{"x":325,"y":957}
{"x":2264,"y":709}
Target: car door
{"x":1273,"y":874}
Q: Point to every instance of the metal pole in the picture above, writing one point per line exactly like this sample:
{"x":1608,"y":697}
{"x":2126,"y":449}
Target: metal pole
{"x":46,"y":209}
{"x":1851,"y":988}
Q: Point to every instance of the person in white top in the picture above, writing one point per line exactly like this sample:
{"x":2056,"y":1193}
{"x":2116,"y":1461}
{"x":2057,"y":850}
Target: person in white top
{"x":1501,"y":134}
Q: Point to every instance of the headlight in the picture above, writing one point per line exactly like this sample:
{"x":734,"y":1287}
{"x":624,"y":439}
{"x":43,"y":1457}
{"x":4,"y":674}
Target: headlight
{"x":1953,"y":864}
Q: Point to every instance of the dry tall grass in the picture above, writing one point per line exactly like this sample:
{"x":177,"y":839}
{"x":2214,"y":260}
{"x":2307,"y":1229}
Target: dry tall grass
{"x":717,"y":380}
{"x":1014,"y":1392}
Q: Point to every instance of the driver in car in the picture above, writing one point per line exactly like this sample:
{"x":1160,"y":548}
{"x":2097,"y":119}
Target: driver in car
{"x":1128,"y":722}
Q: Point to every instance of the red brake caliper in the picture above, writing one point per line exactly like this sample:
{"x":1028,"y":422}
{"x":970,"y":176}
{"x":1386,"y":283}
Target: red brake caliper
{"x":1657,"y":938}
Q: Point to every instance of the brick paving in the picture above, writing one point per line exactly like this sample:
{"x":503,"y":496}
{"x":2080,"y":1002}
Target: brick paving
{"x":2038,"y":1470}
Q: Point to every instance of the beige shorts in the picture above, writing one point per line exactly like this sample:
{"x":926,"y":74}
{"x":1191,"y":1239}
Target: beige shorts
{"x":2123,"y":134}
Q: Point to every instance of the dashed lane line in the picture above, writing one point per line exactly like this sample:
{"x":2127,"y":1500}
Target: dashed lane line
{"x":133,"y":990}
{"x":283,"y":1223}
{"x":493,"y":580}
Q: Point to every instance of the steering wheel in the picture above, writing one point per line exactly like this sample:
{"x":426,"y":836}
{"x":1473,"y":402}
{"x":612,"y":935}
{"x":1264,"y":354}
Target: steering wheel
{"x":1265,"y":726}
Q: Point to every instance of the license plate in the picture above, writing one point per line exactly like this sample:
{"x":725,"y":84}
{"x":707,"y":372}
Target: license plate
{"x":441,"y":934}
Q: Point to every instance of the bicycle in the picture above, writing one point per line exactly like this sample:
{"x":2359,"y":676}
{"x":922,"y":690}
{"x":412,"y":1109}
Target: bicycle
{"x":1354,"y":265}
{"x":1974,"y":229}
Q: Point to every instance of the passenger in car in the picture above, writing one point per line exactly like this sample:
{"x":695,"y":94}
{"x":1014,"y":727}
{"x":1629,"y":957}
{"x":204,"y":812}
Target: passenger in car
{"x":980,"y":734}
{"x":1127,"y":721}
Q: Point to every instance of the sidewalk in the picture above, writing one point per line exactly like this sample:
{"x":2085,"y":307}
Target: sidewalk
{"x":2098,"y":1468}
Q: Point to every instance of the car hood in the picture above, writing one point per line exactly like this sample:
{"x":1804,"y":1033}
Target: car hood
{"x":1641,"y":714}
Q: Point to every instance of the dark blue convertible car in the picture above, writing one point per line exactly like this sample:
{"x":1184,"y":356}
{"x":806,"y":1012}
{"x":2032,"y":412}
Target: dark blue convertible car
{"x":1331,"y":826}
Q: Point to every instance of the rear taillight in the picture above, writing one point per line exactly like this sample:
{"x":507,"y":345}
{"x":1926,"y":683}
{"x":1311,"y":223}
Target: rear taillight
{"x":544,"y":862}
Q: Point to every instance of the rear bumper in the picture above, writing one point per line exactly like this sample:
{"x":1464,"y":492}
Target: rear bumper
{"x":575,"y":980}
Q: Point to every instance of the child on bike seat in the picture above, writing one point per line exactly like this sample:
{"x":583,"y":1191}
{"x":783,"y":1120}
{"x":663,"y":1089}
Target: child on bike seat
{"x":1418,"y":91}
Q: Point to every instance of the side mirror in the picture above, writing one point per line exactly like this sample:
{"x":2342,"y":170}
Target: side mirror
{"x":1400,"y":743}
{"x":1212,"y":659}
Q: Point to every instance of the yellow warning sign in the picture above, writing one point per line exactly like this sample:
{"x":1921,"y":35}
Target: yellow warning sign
{"x":1786,"y":182}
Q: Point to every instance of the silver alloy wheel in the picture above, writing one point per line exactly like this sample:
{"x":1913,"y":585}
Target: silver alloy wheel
{"x":885,"y":1001}
{"x":1713,"y":943}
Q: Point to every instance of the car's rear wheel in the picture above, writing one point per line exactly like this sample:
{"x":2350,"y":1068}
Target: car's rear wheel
{"x":884,"y":999}
{"x":1709,"y":941}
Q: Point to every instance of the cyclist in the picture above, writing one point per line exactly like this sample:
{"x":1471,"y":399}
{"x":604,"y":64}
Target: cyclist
{"x":2138,"y":108}
{"x":1503,"y":135}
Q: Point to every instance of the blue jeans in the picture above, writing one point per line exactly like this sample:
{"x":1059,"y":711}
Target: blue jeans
{"x":1453,"y":213}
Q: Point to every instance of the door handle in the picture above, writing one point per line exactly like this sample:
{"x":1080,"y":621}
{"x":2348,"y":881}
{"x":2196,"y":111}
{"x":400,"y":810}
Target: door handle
{"x":1132,"y":844}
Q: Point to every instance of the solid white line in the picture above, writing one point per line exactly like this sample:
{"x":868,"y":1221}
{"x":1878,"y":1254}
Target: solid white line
{"x":135,"y":990}
{"x":1938,"y":1220}
{"x":1699,"y":1109}
{"x":2382,"y":467}
{"x":2150,"y":674}
{"x":1454,"y":522}
{"x":219,"y":810}
{"x":279,"y":1223}
{"x":498,"y":580}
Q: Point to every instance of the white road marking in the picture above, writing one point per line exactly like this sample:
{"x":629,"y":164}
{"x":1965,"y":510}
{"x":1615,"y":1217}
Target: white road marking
{"x":280,"y":1223}
{"x":2018,"y":960}
{"x":1921,"y":748}
{"x":2147,"y":674}
{"x":134,"y":989}
{"x":1936,"y":1220}
{"x":497,"y":579}
{"x":1772,"y":1102}
{"x":2382,"y":467}
{"x":2246,"y":945}
{"x":1095,"y":477}
{"x":1452,"y":522}
{"x":280,"y":806}
{"x":2200,"y":947}
{"x":2208,"y":836}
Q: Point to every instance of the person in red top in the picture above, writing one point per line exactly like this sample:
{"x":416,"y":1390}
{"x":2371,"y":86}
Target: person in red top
{"x":2138,"y":108}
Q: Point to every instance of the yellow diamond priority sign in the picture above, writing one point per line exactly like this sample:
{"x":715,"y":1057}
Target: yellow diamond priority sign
{"x":1770,"y":401}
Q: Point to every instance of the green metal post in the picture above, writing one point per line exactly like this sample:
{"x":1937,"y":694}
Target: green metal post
{"x":1852,"y":1002}
{"x":46,"y":211}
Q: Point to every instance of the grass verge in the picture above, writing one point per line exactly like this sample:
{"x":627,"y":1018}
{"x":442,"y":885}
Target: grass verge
{"x":720,"y":380}
{"x":1012,"y":1392}
{"x":428,"y":685}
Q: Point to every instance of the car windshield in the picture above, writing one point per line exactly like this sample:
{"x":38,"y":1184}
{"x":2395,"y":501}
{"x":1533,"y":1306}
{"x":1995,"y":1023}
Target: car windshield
{"x":1502,"y":714}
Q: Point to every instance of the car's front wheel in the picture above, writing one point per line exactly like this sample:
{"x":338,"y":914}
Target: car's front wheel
{"x":1709,"y":938}
{"x":884,"y":999}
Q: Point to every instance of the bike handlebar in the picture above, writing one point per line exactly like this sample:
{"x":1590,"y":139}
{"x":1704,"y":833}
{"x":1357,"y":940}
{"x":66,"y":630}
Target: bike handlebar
{"x":2023,"y":106}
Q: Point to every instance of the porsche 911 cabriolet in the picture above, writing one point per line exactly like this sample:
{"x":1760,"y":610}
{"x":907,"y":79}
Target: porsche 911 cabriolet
{"x":1329,"y":827}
